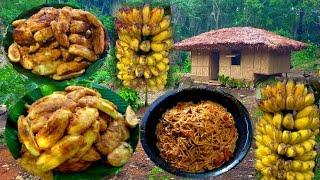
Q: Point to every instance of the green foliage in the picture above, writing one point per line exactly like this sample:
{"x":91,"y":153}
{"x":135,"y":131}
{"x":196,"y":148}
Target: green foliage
{"x":107,"y":74}
{"x":12,"y":85}
{"x":131,"y":96}
{"x":269,"y":81}
{"x":233,"y":83}
{"x":174,"y":76}
{"x":186,"y":66}
{"x":157,"y":173}
{"x":306,"y":59}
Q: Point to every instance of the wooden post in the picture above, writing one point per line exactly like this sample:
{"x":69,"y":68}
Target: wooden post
{"x":146,"y":95}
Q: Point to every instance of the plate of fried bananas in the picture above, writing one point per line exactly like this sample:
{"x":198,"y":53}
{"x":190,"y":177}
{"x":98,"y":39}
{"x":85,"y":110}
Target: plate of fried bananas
{"x":74,"y":132}
{"x":56,"y":41}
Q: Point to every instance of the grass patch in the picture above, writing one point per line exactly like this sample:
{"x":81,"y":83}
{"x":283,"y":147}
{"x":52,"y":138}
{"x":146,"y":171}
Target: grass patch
{"x":306,"y":59}
{"x":157,"y":173}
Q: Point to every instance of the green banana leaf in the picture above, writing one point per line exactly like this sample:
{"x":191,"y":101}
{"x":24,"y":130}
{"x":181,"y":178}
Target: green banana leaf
{"x":98,"y":169}
{"x":8,"y":40}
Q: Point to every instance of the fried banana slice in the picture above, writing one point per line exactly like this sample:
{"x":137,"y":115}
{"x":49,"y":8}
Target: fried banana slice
{"x":90,"y":136}
{"x":82,"y":120}
{"x":67,"y":76}
{"x":65,"y":54}
{"x":79,"y":93}
{"x":45,"y":56}
{"x":18,"y":22}
{"x":65,"y":16}
{"x":46,"y":68}
{"x":78,"y":14}
{"x":43,"y":34}
{"x":23,"y":36}
{"x":63,"y":150}
{"x":93,"y":20}
{"x":27,"y":137}
{"x":50,"y":104}
{"x":77,"y":27}
{"x":73,"y":166}
{"x":40,"y":122}
{"x":90,"y":91}
{"x":91,"y":155}
{"x":53,"y":45}
{"x":14,"y":53}
{"x":100,"y":104}
{"x":27,"y":62}
{"x":33,"y":48}
{"x":99,"y":42}
{"x":59,"y":31}
{"x":78,"y":59}
{"x":28,"y":162}
{"x":54,"y":129}
{"x":42,"y":19}
{"x":80,"y":40}
{"x":103,"y":124}
{"x":82,"y":51}
{"x":131,"y":119}
{"x":112,"y":138}
{"x":71,"y":67}
{"x":120,"y":155}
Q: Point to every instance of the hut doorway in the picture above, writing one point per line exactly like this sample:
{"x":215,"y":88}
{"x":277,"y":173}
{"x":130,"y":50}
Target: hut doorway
{"x":214,"y":65}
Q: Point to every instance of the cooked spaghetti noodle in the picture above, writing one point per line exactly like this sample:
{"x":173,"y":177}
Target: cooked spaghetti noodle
{"x":196,"y":137}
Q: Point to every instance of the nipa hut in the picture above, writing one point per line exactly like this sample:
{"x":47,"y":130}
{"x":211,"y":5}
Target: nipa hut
{"x":238,"y":52}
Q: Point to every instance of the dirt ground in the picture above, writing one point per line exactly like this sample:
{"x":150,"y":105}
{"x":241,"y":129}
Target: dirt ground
{"x":140,"y":165}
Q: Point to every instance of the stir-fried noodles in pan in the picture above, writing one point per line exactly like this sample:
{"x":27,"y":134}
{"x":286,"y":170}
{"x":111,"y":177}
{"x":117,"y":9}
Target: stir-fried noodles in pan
{"x":196,"y":137}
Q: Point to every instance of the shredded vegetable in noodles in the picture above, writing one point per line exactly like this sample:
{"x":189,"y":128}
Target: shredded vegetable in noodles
{"x":196,"y":137}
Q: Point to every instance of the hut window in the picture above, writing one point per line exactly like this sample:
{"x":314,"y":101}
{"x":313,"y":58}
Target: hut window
{"x":236,"y":58}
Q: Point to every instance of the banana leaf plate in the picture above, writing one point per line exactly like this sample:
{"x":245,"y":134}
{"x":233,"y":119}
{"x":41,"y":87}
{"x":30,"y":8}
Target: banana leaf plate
{"x":8,"y":40}
{"x":98,"y":169}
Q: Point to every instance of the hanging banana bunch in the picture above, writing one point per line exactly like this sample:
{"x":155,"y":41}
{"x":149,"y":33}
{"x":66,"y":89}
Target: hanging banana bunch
{"x":145,"y":39}
{"x":285,"y":134}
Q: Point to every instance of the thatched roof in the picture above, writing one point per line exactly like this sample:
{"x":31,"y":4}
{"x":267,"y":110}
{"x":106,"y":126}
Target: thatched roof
{"x":239,"y":38}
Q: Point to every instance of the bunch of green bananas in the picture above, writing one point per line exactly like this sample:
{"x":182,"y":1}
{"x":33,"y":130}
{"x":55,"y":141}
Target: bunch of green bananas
{"x":285,"y":134}
{"x":145,"y":38}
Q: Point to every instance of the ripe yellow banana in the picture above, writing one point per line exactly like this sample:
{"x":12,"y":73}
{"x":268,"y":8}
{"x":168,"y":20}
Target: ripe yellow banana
{"x":309,"y":99}
{"x":156,"y":15}
{"x":165,"y":23}
{"x":162,"y":36}
{"x":299,"y":90}
{"x":147,"y":74}
{"x":311,"y":155}
{"x":145,"y":46}
{"x":290,"y":87}
{"x":306,"y":112}
{"x":305,"y":134}
{"x":291,"y":151}
{"x":146,"y":13}
{"x":146,"y":30}
{"x":262,"y":151}
{"x":151,"y":60}
{"x":282,"y":149}
{"x":139,"y":71}
{"x":158,"y":56}
{"x":142,"y":60}
{"x":154,"y":71}
{"x":295,"y":138}
{"x":302,"y":123}
{"x":315,"y":124}
{"x":158,"y":47}
{"x":134,"y":44}
{"x":161,"y":66}
{"x":299,"y":104}
{"x":286,"y":137}
{"x":27,"y":137}
{"x":277,"y":120}
{"x":290,"y":102}
{"x":280,"y":102}
{"x":288,"y":121}
{"x":269,"y":160}
{"x":137,"y":16}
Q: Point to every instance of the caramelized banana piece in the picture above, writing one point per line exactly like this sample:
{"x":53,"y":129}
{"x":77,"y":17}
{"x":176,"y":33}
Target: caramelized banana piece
{"x":91,"y":155}
{"x":80,"y":40}
{"x":33,"y":48}
{"x":26,"y":61}
{"x":78,"y":14}
{"x":90,"y":136}
{"x":46,"y":55}
{"x":79,"y":93}
{"x":131,"y":118}
{"x":77,"y":27}
{"x":14,"y":53}
{"x":27,"y":137}
{"x":63,"y":150}
{"x":18,"y":22}
{"x":59,"y":31}
{"x":43,"y":34}
{"x":54,"y":129}
{"x":82,"y":120}
{"x":93,"y":19}
{"x":23,"y":36}
{"x":28,"y":162}
{"x":53,"y":45}
{"x":90,"y":91}
{"x":71,"y":67}
{"x":120,"y":155}
{"x":73,"y":166}
{"x":101,"y":105}
{"x":46,"y":68}
{"x":112,"y":138}
{"x":99,"y":43}
{"x":67,"y":76}
{"x":65,"y":54}
{"x":82,"y":51}
{"x":65,"y":16}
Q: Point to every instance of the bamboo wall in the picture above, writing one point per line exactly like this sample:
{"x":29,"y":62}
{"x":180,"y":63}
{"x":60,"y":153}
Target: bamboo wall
{"x":200,"y":66}
{"x":253,"y":62}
